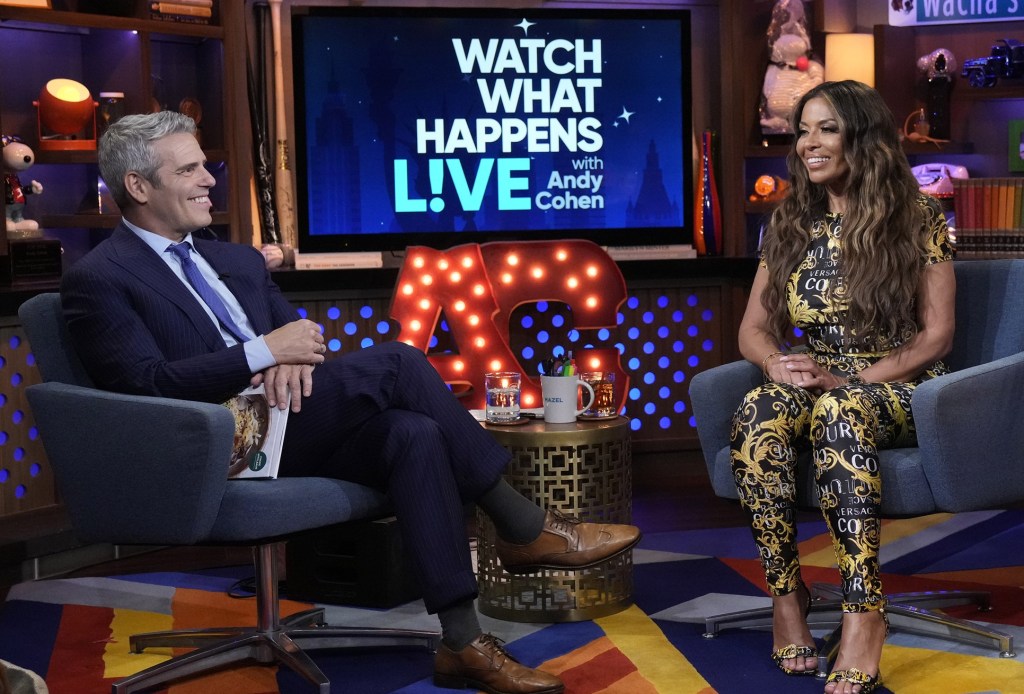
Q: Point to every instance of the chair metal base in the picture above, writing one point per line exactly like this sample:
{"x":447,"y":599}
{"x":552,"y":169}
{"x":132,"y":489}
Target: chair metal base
{"x":908,"y":612}
{"x":273,"y":640}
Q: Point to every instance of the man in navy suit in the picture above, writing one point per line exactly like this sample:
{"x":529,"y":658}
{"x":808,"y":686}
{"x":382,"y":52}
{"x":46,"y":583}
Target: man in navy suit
{"x":154,"y":310}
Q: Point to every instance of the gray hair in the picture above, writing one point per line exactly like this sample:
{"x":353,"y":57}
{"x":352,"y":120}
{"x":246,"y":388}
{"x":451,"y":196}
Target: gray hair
{"x":126,"y":146}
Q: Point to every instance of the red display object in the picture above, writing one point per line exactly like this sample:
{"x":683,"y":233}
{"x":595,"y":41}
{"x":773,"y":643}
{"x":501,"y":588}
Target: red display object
{"x":477,"y":286}
{"x":66,"y":116}
{"x":707,"y":227}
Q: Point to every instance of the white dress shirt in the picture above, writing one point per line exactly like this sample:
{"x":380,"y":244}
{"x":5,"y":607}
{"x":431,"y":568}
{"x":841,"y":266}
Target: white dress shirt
{"x":257,"y":354}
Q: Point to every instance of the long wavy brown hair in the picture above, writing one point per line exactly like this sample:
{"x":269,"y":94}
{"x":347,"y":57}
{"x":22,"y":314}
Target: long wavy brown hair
{"x":882,"y":237}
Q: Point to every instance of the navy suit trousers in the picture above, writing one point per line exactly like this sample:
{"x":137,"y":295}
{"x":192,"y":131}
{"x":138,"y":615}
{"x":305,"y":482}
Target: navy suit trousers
{"x":383,"y":417}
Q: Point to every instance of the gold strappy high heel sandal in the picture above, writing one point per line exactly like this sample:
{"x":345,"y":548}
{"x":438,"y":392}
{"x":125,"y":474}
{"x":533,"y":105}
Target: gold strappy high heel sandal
{"x":867,"y":683}
{"x":793,"y":650}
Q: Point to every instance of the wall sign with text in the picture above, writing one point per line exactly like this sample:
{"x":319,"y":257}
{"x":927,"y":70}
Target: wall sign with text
{"x":919,"y":12}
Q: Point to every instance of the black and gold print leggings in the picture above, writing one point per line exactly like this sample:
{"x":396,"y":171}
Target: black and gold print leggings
{"x":844,"y":429}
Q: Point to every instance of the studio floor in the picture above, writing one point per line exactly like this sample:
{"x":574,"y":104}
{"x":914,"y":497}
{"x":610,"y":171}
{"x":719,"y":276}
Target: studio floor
{"x":696,"y":560}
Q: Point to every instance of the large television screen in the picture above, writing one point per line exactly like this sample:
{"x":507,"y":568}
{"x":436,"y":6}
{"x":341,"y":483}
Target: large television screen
{"x":445,"y":126}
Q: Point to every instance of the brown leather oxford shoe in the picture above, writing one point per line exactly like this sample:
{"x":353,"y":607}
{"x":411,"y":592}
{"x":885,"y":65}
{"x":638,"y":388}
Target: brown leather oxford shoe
{"x":486,"y":665}
{"x":567,"y":543}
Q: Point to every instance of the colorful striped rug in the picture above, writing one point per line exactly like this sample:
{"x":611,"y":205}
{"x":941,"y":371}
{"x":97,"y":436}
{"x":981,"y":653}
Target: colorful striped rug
{"x":74,"y":632}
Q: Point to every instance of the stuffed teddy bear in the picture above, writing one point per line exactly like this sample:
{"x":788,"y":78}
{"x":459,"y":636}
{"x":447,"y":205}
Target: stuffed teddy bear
{"x":791,"y":72}
{"x":18,"y":157}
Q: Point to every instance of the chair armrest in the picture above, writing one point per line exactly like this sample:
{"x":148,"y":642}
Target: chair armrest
{"x":714,"y":395}
{"x":154,"y":471}
{"x":970,"y":429}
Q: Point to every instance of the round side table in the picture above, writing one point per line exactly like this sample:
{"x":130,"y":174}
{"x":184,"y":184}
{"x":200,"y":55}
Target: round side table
{"x":582,"y":469}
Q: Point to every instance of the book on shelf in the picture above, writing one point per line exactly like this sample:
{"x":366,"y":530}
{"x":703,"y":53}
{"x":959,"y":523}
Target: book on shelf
{"x":986,"y":204}
{"x":180,"y":8}
{"x":338,"y":261}
{"x":989,"y":217}
{"x":180,"y":18}
{"x":259,"y":435}
{"x":181,"y":12}
{"x":990,"y":246}
{"x":655,"y":252}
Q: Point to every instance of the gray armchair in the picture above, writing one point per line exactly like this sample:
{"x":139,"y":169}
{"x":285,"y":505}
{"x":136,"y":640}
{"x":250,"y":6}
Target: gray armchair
{"x":153,"y":471}
{"x":970,"y":452}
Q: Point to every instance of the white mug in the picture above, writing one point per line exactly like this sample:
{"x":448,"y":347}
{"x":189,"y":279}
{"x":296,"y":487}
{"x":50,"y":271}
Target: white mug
{"x":561,"y":393}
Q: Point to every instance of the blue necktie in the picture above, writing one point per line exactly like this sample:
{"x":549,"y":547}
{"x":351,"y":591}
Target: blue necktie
{"x":203,"y":289}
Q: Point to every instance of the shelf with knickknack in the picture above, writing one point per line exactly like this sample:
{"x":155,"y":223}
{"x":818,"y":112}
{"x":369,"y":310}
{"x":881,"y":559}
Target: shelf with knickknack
{"x":980,"y":121}
{"x":911,"y":149}
{"x":747,"y":154}
{"x":153,"y":63}
{"x":195,"y":68}
{"x":978,"y":117}
{"x":770,"y":160}
{"x":95,"y":220}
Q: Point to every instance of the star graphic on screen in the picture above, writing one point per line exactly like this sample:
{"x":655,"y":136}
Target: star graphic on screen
{"x":525,"y":26}
{"x":625,"y":114}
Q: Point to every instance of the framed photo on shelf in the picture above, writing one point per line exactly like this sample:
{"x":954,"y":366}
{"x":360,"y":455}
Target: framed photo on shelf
{"x":1016,"y":145}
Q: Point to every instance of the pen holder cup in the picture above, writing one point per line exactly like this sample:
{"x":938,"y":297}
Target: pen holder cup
{"x":561,"y":395}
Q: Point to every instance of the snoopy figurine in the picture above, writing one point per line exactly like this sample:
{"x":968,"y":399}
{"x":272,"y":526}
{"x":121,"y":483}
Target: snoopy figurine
{"x":18,"y":157}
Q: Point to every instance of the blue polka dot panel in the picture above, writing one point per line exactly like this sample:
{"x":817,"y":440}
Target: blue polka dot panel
{"x":26,"y":482}
{"x":348,"y":325}
{"x":663,"y":337}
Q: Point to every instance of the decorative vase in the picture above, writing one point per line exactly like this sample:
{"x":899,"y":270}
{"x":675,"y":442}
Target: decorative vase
{"x":707,"y":232}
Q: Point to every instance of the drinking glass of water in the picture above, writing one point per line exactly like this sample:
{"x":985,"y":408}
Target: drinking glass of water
{"x":502,"y":396}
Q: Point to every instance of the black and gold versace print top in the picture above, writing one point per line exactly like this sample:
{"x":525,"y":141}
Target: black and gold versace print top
{"x":817,"y":309}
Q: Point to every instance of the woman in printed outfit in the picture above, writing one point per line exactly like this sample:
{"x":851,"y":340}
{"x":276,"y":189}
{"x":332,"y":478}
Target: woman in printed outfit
{"x":858,"y":259}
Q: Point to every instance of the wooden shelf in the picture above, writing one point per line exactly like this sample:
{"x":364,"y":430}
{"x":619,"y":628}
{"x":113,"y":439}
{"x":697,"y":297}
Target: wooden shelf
{"x":911,"y":148}
{"x":153,"y":62}
{"x":88,"y":156}
{"x":92,"y":220}
{"x":674,"y":272}
{"x":918,"y":148}
{"x":16,"y":16}
{"x":767,"y":151}
{"x":759,"y":207}
{"x":1004,"y":89}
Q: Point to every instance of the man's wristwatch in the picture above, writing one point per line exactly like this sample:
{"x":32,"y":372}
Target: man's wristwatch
{"x":855,"y":379}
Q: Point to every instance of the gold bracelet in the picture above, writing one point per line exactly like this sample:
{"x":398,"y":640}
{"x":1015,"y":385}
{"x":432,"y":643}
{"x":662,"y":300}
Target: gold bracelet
{"x":764,"y":362}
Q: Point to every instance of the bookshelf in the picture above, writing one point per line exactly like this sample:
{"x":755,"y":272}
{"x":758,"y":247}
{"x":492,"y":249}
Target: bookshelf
{"x":153,"y":61}
{"x":979,"y":117}
{"x":157,"y":63}
{"x":990,"y":217}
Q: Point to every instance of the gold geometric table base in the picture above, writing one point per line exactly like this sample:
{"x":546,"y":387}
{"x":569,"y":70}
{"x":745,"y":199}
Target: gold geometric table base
{"x":582,"y":469}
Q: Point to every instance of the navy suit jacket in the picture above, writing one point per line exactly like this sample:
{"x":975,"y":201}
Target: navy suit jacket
{"x":138,"y":329}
